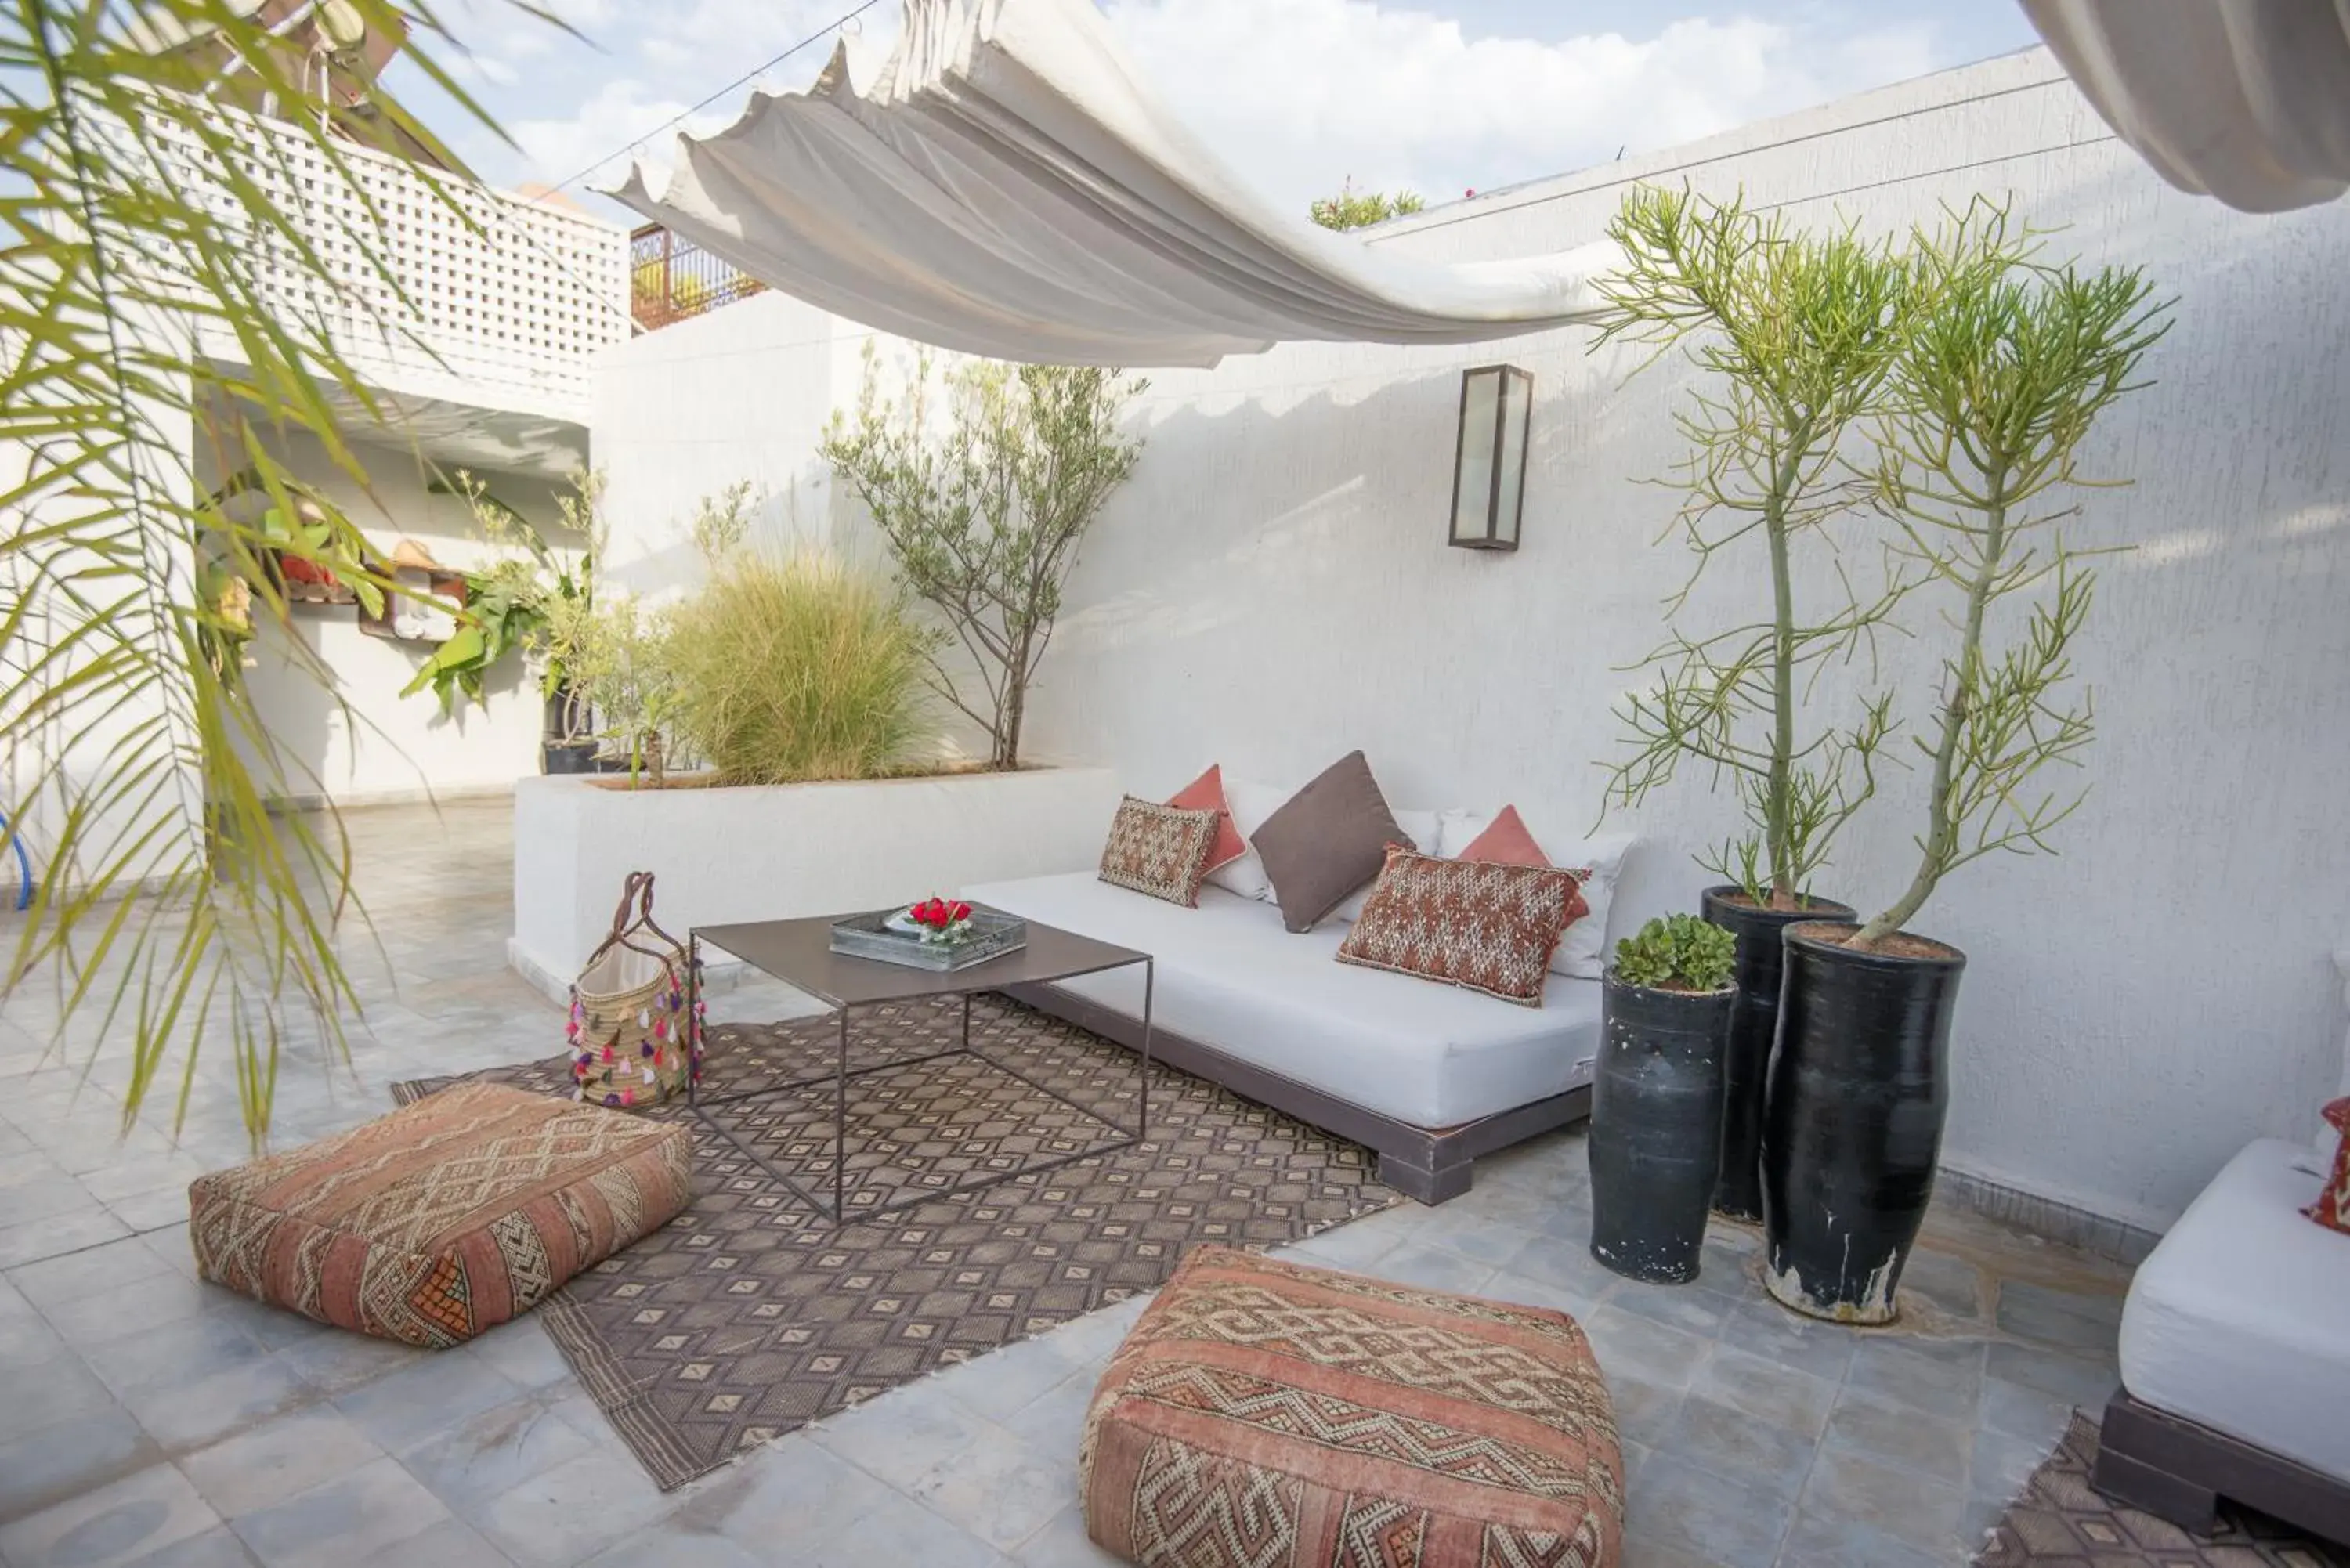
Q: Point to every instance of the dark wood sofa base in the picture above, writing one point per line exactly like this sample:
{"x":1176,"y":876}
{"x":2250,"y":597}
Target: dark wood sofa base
{"x":2178,"y":1470}
{"x":1431,"y":1164}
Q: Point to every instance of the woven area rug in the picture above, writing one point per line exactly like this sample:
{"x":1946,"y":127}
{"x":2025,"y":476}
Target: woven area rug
{"x":749,"y":1316}
{"x":2060,"y":1520}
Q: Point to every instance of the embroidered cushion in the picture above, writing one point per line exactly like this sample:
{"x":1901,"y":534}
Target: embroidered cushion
{"x":1326,"y":841}
{"x":1583,"y":951}
{"x":1479,"y":924}
{"x":1206,"y":793}
{"x":2332,"y":1206}
{"x":1161,"y":850}
{"x":441,"y":1219}
{"x":1272,"y":1414}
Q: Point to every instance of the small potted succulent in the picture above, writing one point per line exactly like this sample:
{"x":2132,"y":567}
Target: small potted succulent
{"x":1656,"y":1104}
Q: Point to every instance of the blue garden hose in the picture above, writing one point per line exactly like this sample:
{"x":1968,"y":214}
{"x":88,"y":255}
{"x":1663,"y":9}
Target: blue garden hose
{"x":24,"y":865}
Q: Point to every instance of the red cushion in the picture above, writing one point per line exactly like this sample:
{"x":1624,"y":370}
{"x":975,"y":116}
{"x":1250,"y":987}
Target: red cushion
{"x":2332,"y":1206}
{"x":1506,"y":842}
{"x":1205,"y":792}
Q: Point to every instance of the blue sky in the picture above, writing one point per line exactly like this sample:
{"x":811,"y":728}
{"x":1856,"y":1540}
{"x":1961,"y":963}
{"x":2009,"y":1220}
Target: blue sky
{"x":1441,"y":96}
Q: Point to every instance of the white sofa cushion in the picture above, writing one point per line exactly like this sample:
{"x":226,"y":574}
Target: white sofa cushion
{"x":1585,"y":948}
{"x":1249,"y":804}
{"x":1230,"y":977}
{"x":2236,"y":1320}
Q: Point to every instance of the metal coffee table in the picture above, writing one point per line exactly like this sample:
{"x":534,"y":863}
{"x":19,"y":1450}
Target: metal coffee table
{"x":799,"y":953}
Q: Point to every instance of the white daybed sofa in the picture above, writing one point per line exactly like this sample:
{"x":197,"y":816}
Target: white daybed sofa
{"x":2235,"y":1357}
{"x":1429,"y":1075}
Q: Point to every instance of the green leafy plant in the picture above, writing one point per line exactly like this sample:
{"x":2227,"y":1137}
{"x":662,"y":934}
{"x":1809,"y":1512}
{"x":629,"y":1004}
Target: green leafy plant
{"x":983,"y":510}
{"x":618,"y":656}
{"x":513,"y":603}
{"x":173,"y":908}
{"x":797,"y":668}
{"x":721,"y":522}
{"x":1995,"y":390}
{"x":1353,"y":209}
{"x":1677,"y":952}
{"x":504,"y":611}
{"x":1795,"y":336}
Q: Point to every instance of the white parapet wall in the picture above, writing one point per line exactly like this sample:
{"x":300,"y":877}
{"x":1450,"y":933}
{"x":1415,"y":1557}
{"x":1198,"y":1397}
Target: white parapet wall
{"x":781,"y":851}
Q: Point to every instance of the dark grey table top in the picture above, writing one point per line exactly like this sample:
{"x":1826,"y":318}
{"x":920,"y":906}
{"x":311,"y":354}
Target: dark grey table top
{"x":799,"y":952}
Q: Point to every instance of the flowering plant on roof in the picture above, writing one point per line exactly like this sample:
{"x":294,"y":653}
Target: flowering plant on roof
{"x":942,"y":920}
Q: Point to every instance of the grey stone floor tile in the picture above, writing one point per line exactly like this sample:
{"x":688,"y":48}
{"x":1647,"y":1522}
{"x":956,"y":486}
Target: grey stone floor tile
{"x":2001,"y":1462}
{"x":349,"y":1520}
{"x":1816,"y":1542}
{"x":1631,"y":1346}
{"x":2074,"y":1319}
{"x":903,"y":1532}
{"x":174,"y":1354}
{"x":1521,"y":1291}
{"x":780,"y":1493}
{"x":1354,"y":1247}
{"x":450,"y":1543}
{"x":1900,"y":1437}
{"x":45,"y":1468}
{"x":490,"y":1453}
{"x":560,"y":1515}
{"x":2086,"y":1380}
{"x":1645,"y":1411}
{"x":1940,"y":1378}
{"x":136,"y":1309}
{"x":1568,"y":1265}
{"x":42,"y":1393}
{"x":404,"y":1406}
{"x":335,"y":1361}
{"x":668,"y":1546}
{"x":219,"y":1547}
{"x":1003,"y":1491}
{"x":1766,"y":1390}
{"x":1684,"y":1307}
{"x":1948,"y":1285}
{"x":147,"y":1211}
{"x":183,"y":1415}
{"x":1003,"y":1381}
{"x":1491,"y":1242}
{"x":1727,"y":1523}
{"x":1063,"y":1543}
{"x":120,"y":1522}
{"x":103,"y":1270}
{"x":522,"y":1351}
{"x":1759,"y":1326}
{"x":277,"y":1459}
{"x":32,"y":1241}
{"x":1432,"y":1268}
{"x":900,"y":1436}
{"x":1053,"y":1419}
{"x":1849,"y":1489}
{"x":1738,"y":1448}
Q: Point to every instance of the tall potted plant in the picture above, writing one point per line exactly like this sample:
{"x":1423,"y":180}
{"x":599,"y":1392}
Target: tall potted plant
{"x":2007,"y":368}
{"x":1656,"y":1100}
{"x":1795,"y":336}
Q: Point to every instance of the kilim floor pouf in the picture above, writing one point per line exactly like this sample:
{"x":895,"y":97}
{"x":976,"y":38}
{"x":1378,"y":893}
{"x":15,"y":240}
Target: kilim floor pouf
{"x":1273,"y":1415}
{"x":442,"y":1220}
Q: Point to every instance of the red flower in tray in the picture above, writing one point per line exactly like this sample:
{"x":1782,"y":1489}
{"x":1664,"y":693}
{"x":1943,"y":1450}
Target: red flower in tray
{"x":942,"y":920}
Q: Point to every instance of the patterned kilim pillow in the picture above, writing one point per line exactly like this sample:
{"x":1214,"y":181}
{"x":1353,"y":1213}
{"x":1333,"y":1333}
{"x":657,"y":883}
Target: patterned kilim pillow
{"x":1481,"y":924}
{"x":1161,"y":850}
{"x":442,"y":1220}
{"x":2332,"y":1206}
{"x":1272,"y":1414}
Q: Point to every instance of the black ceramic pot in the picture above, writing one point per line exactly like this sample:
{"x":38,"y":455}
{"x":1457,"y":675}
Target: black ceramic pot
{"x":567,"y":756}
{"x":1753,"y":1022}
{"x":1655,"y":1128}
{"x":1852,"y":1125}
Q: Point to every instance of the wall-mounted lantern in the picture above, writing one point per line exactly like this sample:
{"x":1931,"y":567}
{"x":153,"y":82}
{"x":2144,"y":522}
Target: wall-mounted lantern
{"x":1489,"y":466}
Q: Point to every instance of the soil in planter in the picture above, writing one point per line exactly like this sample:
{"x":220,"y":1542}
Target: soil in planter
{"x":703,"y":778}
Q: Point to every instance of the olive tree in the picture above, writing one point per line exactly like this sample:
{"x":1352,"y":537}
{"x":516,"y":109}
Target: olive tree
{"x":983,"y":499}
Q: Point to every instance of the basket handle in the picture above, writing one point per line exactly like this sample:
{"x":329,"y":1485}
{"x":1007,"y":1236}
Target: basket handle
{"x":634,"y":914}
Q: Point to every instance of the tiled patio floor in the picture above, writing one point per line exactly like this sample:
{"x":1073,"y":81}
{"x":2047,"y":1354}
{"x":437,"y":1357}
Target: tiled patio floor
{"x":147,"y":1419}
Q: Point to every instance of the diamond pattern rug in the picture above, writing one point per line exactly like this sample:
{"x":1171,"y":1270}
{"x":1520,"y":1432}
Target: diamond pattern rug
{"x":2060,"y":1520}
{"x":750,"y":1316}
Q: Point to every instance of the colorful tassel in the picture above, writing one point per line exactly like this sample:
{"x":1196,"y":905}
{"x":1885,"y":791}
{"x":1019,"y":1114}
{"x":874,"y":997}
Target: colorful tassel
{"x":612,"y":1101}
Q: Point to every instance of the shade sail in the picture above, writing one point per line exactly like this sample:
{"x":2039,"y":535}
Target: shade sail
{"x":1009,"y":185}
{"x":2247,"y":101}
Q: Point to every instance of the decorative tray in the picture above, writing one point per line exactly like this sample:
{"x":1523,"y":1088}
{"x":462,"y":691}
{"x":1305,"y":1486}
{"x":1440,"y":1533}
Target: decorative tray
{"x":881,"y":935}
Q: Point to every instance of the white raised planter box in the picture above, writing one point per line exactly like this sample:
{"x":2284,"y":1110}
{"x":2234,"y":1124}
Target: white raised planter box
{"x":770,"y":852}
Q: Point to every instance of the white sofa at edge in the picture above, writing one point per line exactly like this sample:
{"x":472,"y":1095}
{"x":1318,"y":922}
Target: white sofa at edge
{"x":779,"y":851}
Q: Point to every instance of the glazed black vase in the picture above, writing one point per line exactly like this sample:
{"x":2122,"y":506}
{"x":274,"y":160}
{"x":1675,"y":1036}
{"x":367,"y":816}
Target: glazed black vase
{"x":567,"y":756}
{"x":1852,"y":1122}
{"x":1753,"y":1023}
{"x":1655,"y":1128}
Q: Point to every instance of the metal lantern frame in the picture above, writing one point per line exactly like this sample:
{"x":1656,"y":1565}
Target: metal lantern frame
{"x":1490,"y":519}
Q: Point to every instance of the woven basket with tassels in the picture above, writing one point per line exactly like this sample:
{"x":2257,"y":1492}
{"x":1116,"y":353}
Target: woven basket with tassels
{"x":632,"y":1042}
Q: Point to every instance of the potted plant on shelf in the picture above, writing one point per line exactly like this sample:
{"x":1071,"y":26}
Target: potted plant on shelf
{"x":2005,"y":372}
{"x":1656,"y":1103}
{"x":1795,"y":336}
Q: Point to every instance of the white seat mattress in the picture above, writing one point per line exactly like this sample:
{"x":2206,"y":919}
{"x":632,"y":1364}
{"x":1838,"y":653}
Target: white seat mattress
{"x":1230,"y":977}
{"x":2239,"y":1321}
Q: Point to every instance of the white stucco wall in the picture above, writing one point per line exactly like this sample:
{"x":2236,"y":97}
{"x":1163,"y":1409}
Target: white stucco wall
{"x":1273,"y":588}
{"x":373,"y":744}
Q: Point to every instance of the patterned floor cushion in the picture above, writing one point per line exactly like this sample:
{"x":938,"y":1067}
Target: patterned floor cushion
{"x":441,"y":1220}
{"x":1271,"y":1414}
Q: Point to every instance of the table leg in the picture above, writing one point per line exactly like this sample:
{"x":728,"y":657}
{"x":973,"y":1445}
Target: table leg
{"x":1150,"y":983}
{"x":966,"y":1020}
{"x":693,"y":1016}
{"x":840,"y":1129}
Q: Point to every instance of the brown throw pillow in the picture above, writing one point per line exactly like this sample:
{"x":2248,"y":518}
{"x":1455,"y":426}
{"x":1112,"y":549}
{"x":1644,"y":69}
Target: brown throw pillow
{"x":1161,"y":850}
{"x":1326,"y":841}
{"x":1479,"y":924}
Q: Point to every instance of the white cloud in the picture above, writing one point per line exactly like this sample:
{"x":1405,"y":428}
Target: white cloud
{"x":1302,"y":93}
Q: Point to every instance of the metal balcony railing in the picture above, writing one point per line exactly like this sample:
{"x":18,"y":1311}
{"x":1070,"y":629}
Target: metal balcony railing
{"x":671,"y":278}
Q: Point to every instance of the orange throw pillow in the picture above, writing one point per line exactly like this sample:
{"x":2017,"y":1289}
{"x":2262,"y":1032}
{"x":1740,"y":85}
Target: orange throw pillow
{"x":1506,"y":842}
{"x":2332,"y":1209}
{"x":1206,"y":793}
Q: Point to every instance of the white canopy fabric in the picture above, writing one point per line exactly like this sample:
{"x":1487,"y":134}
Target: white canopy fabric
{"x":2247,"y":101}
{"x":1009,"y":185}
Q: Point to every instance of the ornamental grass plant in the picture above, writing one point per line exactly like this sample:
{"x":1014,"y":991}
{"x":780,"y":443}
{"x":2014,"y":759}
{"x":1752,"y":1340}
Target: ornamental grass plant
{"x":798,"y":667}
